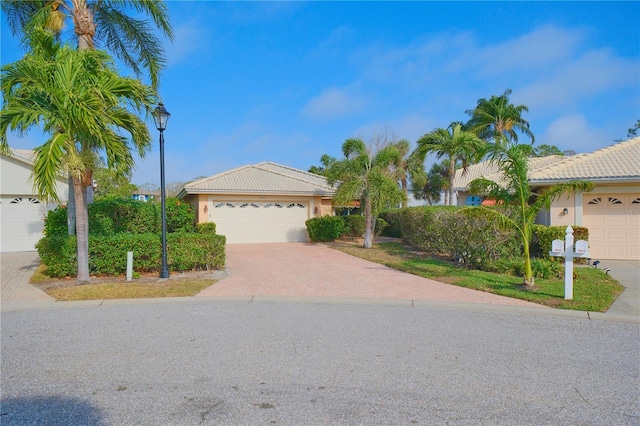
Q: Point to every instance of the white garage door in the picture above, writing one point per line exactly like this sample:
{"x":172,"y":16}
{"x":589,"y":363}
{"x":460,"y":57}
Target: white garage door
{"x":614,"y":226}
{"x":260,"y":222}
{"x":21,"y":222}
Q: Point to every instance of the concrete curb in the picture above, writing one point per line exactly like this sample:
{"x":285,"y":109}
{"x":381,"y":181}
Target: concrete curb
{"x":400,"y":303}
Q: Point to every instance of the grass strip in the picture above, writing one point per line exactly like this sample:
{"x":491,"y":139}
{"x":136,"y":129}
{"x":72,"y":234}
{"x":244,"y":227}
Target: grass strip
{"x":593,"y":290}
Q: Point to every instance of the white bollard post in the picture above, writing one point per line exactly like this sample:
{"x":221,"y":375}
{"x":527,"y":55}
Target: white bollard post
{"x":129,"y":265}
{"x":568,"y":264}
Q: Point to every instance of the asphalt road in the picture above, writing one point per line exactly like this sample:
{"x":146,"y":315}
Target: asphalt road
{"x":211,"y":363}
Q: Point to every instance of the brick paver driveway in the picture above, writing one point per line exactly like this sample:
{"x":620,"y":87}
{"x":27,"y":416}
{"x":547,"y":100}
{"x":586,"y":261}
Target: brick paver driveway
{"x":315,"y":270}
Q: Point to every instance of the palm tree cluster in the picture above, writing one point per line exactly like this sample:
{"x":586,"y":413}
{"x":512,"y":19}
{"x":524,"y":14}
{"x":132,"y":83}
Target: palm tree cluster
{"x":378,"y":174}
{"x":77,"y":96}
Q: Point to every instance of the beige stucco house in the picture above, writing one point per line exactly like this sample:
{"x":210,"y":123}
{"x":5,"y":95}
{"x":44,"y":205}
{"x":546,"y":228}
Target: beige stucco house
{"x":611,"y":211}
{"x":22,"y":212}
{"x":265,"y":202}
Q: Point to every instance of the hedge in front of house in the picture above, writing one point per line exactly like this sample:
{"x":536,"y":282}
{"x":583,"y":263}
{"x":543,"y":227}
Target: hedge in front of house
{"x":108,"y":254}
{"x":544,"y":235}
{"x":123,"y":215}
{"x":325,"y":228}
{"x":393,"y":218}
{"x":448,"y":231}
{"x":354,"y":225}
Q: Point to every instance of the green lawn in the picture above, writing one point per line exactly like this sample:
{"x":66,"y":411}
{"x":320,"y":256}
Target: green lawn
{"x":593,"y":290}
{"x":118,"y":288}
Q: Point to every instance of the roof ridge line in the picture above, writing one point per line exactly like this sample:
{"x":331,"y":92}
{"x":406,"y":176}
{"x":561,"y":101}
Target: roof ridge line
{"x":289,"y":176}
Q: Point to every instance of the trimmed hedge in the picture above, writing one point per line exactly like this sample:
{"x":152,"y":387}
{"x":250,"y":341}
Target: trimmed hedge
{"x":117,"y":215}
{"x":544,"y":235}
{"x":108,"y":254}
{"x":447,"y":231}
{"x":325,"y":228}
{"x":354,"y":225}
{"x":393,"y":218}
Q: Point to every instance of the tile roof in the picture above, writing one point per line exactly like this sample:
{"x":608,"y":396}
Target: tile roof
{"x":262,"y":178}
{"x":490,"y":170}
{"x":619,"y":162}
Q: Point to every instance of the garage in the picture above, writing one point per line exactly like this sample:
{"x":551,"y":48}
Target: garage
{"x":613,"y":221}
{"x":21,"y":222}
{"x":258,"y":222}
{"x":260,"y":203}
{"x":21,"y":211}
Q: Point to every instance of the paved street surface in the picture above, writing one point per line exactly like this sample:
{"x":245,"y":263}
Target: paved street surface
{"x":191,"y":361}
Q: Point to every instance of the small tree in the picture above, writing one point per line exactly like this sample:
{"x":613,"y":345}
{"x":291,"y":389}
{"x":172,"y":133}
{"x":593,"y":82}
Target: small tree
{"x":518,"y":205}
{"x":366,"y":173}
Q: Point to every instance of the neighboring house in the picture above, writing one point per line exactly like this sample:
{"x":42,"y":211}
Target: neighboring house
{"x":21,"y":211}
{"x":265,"y":202}
{"x":144,"y":195}
{"x":611,"y":211}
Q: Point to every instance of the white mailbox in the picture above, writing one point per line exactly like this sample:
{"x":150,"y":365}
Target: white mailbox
{"x":557,"y":246}
{"x":582,"y":248}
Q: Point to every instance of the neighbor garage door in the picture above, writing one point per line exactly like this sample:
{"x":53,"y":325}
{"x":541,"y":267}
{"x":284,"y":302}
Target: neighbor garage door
{"x":260,"y":222}
{"x":614,"y":226}
{"x":21,"y":222}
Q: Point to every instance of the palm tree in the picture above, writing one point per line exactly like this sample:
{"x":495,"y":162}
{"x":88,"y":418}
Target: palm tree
{"x":408,"y":167}
{"x":518,"y":205}
{"x":99,"y":23}
{"x":454,"y":144}
{"x":366,"y":174}
{"x":78,"y":99}
{"x":498,"y":119}
{"x":326,"y":161}
{"x":437,"y":180}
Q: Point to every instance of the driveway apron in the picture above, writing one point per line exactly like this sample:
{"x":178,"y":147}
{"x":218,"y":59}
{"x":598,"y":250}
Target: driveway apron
{"x":16,"y":270}
{"x":315,"y":270}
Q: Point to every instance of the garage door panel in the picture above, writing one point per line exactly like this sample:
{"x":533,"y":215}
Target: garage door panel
{"x":21,"y":222}
{"x":614,"y":226}
{"x":252,"y":222}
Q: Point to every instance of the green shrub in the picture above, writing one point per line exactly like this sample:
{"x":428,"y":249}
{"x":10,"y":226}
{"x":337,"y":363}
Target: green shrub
{"x":108,"y":254}
{"x":544,"y":235}
{"x":354,"y":225}
{"x":381,"y":224}
{"x":393,"y":218}
{"x":116,"y":215}
{"x":206,"y":228}
{"x":448,"y":231}
{"x":325,"y":228}
{"x":191,"y":251}
{"x":59,"y":254}
{"x":55,"y":223}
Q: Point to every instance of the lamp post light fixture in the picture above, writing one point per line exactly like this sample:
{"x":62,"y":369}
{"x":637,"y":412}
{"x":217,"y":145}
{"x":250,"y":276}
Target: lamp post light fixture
{"x":161,"y":117}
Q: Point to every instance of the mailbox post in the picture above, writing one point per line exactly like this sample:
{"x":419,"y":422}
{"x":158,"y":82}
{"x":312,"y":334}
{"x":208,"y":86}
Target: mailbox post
{"x":564,"y":249}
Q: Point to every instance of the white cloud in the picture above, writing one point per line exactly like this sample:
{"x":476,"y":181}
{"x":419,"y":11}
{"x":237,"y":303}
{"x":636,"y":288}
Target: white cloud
{"x":572,"y":132}
{"x":187,"y":42}
{"x":335,"y":103}
{"x":538,"y":49}
{"x":594,"y":72}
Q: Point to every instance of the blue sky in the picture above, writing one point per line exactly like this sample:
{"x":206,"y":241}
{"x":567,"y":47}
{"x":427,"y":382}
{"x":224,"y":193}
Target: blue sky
{"x":289,"y":81}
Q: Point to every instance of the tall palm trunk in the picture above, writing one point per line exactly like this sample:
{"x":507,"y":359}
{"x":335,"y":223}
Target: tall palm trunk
{"x":81,"y":231}
{"x":452,"y":173}
{"x":368,"y":223}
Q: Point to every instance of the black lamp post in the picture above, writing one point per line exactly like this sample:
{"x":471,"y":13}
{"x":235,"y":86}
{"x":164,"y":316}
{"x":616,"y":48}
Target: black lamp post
{"x":161,"y":117}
